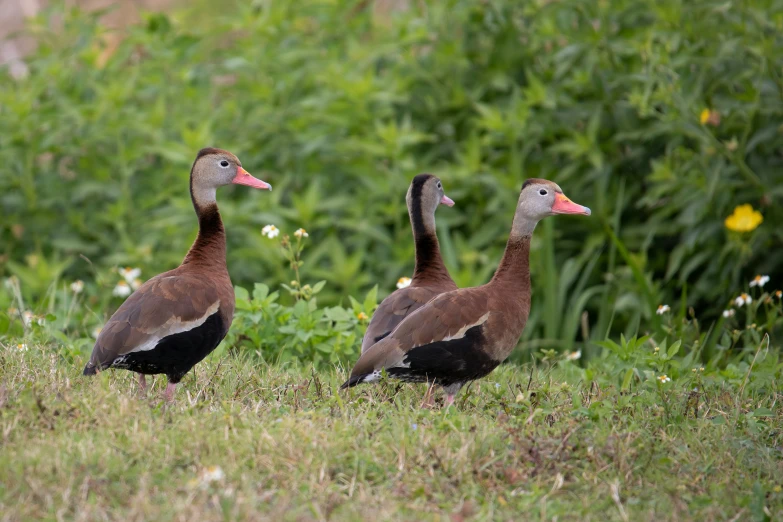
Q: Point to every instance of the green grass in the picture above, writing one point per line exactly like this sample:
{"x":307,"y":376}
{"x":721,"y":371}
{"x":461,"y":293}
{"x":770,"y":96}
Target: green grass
{"x":541,"y":443}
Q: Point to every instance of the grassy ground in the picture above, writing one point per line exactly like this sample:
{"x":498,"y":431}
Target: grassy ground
{"x":521,"y":445}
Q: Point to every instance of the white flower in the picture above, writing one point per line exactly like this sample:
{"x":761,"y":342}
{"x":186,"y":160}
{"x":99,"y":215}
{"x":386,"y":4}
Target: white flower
{"x":207,"y":476}
{"x":28,"y":318}
{"x":96,"y":331}
{"x":663,"y":379}
{"x":728,"y":313}
{"x":743,"y":299}
{"x":574,"y":355}
{"x":129,"y":273}
{"x":403,"y":282}
{"x":270,"y":231}
{"x":662,"y":309}
{"x":301,"y":233}
{"x":122,"y":289}
{"x":760,"y":281}
{"x":11,"y":282}
{"x":135,"y":284}
{"x":77,"y":286}
{"x":212,"y":474}
{"x":22,"y":347}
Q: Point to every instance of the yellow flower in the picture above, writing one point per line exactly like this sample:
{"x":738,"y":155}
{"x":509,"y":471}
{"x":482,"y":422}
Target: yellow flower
{"x":710,"y":117}
{"x":744,"y":219}
{"x":361,"y":316}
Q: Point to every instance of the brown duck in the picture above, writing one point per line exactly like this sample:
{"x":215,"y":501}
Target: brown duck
{"x":430,"y":276}
{"x":463,"y":335}
{"x":177,"y":318}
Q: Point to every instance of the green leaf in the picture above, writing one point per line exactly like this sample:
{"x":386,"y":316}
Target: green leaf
{"x":673,"y":349}
{"x":627,"y":379}
{"x":241,"y":294}
{"x":318,"y":287}
{"x":371,"y":300}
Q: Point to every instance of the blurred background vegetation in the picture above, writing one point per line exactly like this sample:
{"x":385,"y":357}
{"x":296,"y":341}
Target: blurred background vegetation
{"x":662,"y":116}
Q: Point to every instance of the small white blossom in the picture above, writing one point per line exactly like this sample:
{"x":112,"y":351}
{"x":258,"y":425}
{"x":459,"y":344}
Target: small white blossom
{"x":96,"y":331}
{"x":212,"y":474}
{"x":135,"y":284}
{"x":122,"y":289}
{"x":662,"y":309}
{"x":28,"y":318}
{"x":11,"y":282}
{"x":743,"y":299}
{"x":663,"y":379}
{"x":270,"y":231}
{"x":301,"y":233}
{"x":207,"y":476}
{"x":77,"y":286}
{"x":573,"y":356}
{"x":779,"y":294}
{"x":760,"y":281}
{"x":728,"y":313}
{"x":403,"y":282}
{"x":22,"y":347}
{"x":129,"y":274}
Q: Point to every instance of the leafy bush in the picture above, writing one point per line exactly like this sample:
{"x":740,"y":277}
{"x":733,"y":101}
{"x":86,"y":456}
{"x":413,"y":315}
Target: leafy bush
{"x":661,"y":116}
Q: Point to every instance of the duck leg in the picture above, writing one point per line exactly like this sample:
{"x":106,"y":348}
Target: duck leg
{"x":451,"y":392}
{"x":427,"y":403}
{"x":142,"y":385}
{"x":168,"y":395}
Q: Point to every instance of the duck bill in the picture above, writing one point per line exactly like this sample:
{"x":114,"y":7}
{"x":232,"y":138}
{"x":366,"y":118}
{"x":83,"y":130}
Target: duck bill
{"x":445,"y":200}
{"x":244,"y":178}
{"x":563,"y":205}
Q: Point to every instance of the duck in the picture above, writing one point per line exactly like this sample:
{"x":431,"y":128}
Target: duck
{"x":463,"y":335}
{"x":177,"y":318}
{"x":430,"y":275}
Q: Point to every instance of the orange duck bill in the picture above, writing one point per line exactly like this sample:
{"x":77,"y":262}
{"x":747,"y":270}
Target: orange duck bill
{"x":563,"y":205}
{"x":244,"y":178}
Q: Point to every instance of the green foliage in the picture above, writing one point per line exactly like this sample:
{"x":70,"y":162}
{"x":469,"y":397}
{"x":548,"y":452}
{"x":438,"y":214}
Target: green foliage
{"x":302,"y":332}
{"x":339,"y":108}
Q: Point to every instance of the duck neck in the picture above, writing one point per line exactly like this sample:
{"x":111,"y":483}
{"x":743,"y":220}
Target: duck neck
{"x":209,"y":248}
{"x":514,"y":269}
{"x":429,"y":267}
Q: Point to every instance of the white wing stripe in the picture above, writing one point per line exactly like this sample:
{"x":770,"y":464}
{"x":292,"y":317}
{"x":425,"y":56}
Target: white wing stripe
{"x":173,"y":326}
{"x":459,"y":334}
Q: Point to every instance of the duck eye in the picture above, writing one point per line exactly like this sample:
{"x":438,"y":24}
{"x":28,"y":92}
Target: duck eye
{"x":543,"y":192}
{"x":439,"y":185}
{"x":224,"y":163}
